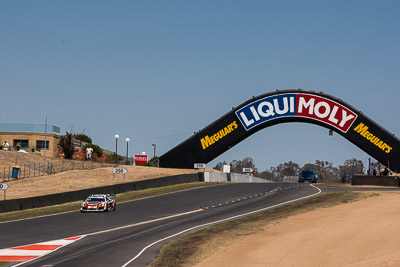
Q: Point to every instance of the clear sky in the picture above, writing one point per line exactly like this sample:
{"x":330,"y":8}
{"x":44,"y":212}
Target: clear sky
{"x":157,"y":71}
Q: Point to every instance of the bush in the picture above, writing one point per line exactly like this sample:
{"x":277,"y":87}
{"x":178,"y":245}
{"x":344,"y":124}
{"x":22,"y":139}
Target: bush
{"x":79,"y":155}
{"x":65,"y":145}
{"x":111,"y":158}
{"x":97,"y":151}
{"x":83,"y":137}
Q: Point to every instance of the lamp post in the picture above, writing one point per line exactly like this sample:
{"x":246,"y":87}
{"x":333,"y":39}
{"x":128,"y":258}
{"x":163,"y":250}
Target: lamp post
{"x":116,"y":147}
{"x":127,"y":141}
{"x":154,"y":145}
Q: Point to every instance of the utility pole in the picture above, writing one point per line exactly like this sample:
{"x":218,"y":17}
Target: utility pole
{"x":45,"y":145}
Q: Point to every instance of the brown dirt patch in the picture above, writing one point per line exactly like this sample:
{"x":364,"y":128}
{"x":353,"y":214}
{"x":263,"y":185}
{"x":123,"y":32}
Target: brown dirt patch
{"x":93,"y":175}
{"x":82,"y":179}
{"x":363,"y":233}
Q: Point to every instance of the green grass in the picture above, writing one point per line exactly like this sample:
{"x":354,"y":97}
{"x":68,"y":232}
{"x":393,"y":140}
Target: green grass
{"x":192,"y":248}
{"x":123,"y":197}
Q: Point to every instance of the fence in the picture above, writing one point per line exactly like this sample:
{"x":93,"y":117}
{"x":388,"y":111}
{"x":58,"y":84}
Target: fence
{"x":40,"y":169}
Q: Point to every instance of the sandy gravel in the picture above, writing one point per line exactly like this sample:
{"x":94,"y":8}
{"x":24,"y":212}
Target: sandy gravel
{"x":363,"y":233}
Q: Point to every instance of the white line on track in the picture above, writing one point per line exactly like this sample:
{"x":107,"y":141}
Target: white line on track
{"x":142,"y":223}
{"x":219,"y":221}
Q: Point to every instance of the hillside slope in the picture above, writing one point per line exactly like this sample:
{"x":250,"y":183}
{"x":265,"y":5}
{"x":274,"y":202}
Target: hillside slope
{"x":76,"y":179}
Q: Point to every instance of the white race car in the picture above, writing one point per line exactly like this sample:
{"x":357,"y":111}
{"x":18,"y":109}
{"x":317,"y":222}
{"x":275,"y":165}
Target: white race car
{"x":99,"y":202}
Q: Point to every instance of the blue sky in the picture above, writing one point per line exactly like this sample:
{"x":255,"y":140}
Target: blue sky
{"x":156,"y":71}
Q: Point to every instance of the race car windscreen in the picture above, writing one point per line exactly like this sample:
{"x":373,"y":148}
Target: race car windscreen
{"x":95,"y":200}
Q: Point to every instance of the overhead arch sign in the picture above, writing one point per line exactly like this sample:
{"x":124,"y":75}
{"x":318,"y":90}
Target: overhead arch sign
{"x":296,"y":105}
{"x":282,"y":107}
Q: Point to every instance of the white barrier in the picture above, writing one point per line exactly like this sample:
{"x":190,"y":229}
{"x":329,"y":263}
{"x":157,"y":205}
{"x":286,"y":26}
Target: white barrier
{"x":232,"y":177}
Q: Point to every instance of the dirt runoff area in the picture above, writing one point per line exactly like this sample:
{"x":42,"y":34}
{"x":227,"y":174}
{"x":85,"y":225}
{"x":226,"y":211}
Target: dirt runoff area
{"x":82,"y":179}
{"x":358,"y":234}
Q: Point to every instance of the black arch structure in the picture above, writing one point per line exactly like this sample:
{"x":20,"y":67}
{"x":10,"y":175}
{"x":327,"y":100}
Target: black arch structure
{"x":284,"y":106}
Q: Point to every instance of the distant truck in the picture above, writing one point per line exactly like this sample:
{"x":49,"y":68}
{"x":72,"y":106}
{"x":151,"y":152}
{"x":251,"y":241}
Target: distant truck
{"x":307,"y":176}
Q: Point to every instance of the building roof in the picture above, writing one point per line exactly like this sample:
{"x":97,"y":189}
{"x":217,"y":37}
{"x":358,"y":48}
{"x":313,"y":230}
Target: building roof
{"x":23,"y":127}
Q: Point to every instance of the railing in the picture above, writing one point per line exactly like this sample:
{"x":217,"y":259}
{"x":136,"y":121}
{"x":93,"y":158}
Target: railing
{"x":20,"y":127}
{"x":40,"y":169}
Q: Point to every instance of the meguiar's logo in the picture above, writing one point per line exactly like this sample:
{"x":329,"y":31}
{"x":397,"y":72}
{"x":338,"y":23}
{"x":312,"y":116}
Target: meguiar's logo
{"x":296,"y":105}
{"x":363,"y":131}
{"x":207,"y":141}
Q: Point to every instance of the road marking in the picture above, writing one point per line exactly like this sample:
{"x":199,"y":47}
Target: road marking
{"x":27,"y":253}
{"x":219,"y":221}
{"x":145,"y":222}
{"x":31,"y":252}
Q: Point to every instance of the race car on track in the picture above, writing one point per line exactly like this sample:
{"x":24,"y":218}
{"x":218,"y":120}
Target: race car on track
{"x":99,"y":202}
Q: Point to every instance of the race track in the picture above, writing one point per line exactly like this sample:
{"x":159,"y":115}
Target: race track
{"x":133,"y":234}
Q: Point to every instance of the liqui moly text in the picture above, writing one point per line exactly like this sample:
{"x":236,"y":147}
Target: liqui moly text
{"x":296,"y":105}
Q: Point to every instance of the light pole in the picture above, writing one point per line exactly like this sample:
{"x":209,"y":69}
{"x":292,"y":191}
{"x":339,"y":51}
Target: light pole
{"x":116,"y":147}
{"x":154,"y":145}
{"x":127,"y":141}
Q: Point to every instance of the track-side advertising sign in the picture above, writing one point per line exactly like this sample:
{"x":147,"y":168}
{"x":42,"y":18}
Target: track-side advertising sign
{"x":140,"y":159}
{"x":120,"y":170}
{"x":364,"y":131}
{"x":4,"y":186}
{"x":200,"y":166}
{"x":296,"y":105}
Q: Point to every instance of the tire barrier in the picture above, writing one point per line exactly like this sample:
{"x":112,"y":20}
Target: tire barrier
{"x":282,"y":107}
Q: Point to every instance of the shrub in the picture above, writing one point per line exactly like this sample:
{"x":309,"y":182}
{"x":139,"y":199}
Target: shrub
{"x":97,"y":151}
{"x":83,"y":137}
{"x":79,"y":155}
{"x":65,"y":145}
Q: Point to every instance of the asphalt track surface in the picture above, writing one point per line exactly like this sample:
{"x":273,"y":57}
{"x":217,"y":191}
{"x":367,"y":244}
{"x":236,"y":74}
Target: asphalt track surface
{"x":142,"y":223}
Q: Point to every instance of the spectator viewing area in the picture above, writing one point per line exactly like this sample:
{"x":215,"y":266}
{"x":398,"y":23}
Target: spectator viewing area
{"x":30,"y":137}
{"x":282,"y":107}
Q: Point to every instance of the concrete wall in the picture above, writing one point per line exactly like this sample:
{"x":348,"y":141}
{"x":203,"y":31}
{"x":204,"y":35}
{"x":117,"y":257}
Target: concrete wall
{"x":290,"y":179}
{"x":375,"y":180}
{"x":60,"y":198}
{"x":231,"y":177}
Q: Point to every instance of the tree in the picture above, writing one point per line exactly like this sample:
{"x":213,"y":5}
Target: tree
{"x":83,"y":137}
{"x":324,"y":170}
{"x":220,"y":166}
{"x":286,"y":169}
{"x":238,"y":165}
{"x":65,"y":145}
{"x":268,"y":175}
{"x":351,"y":167}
